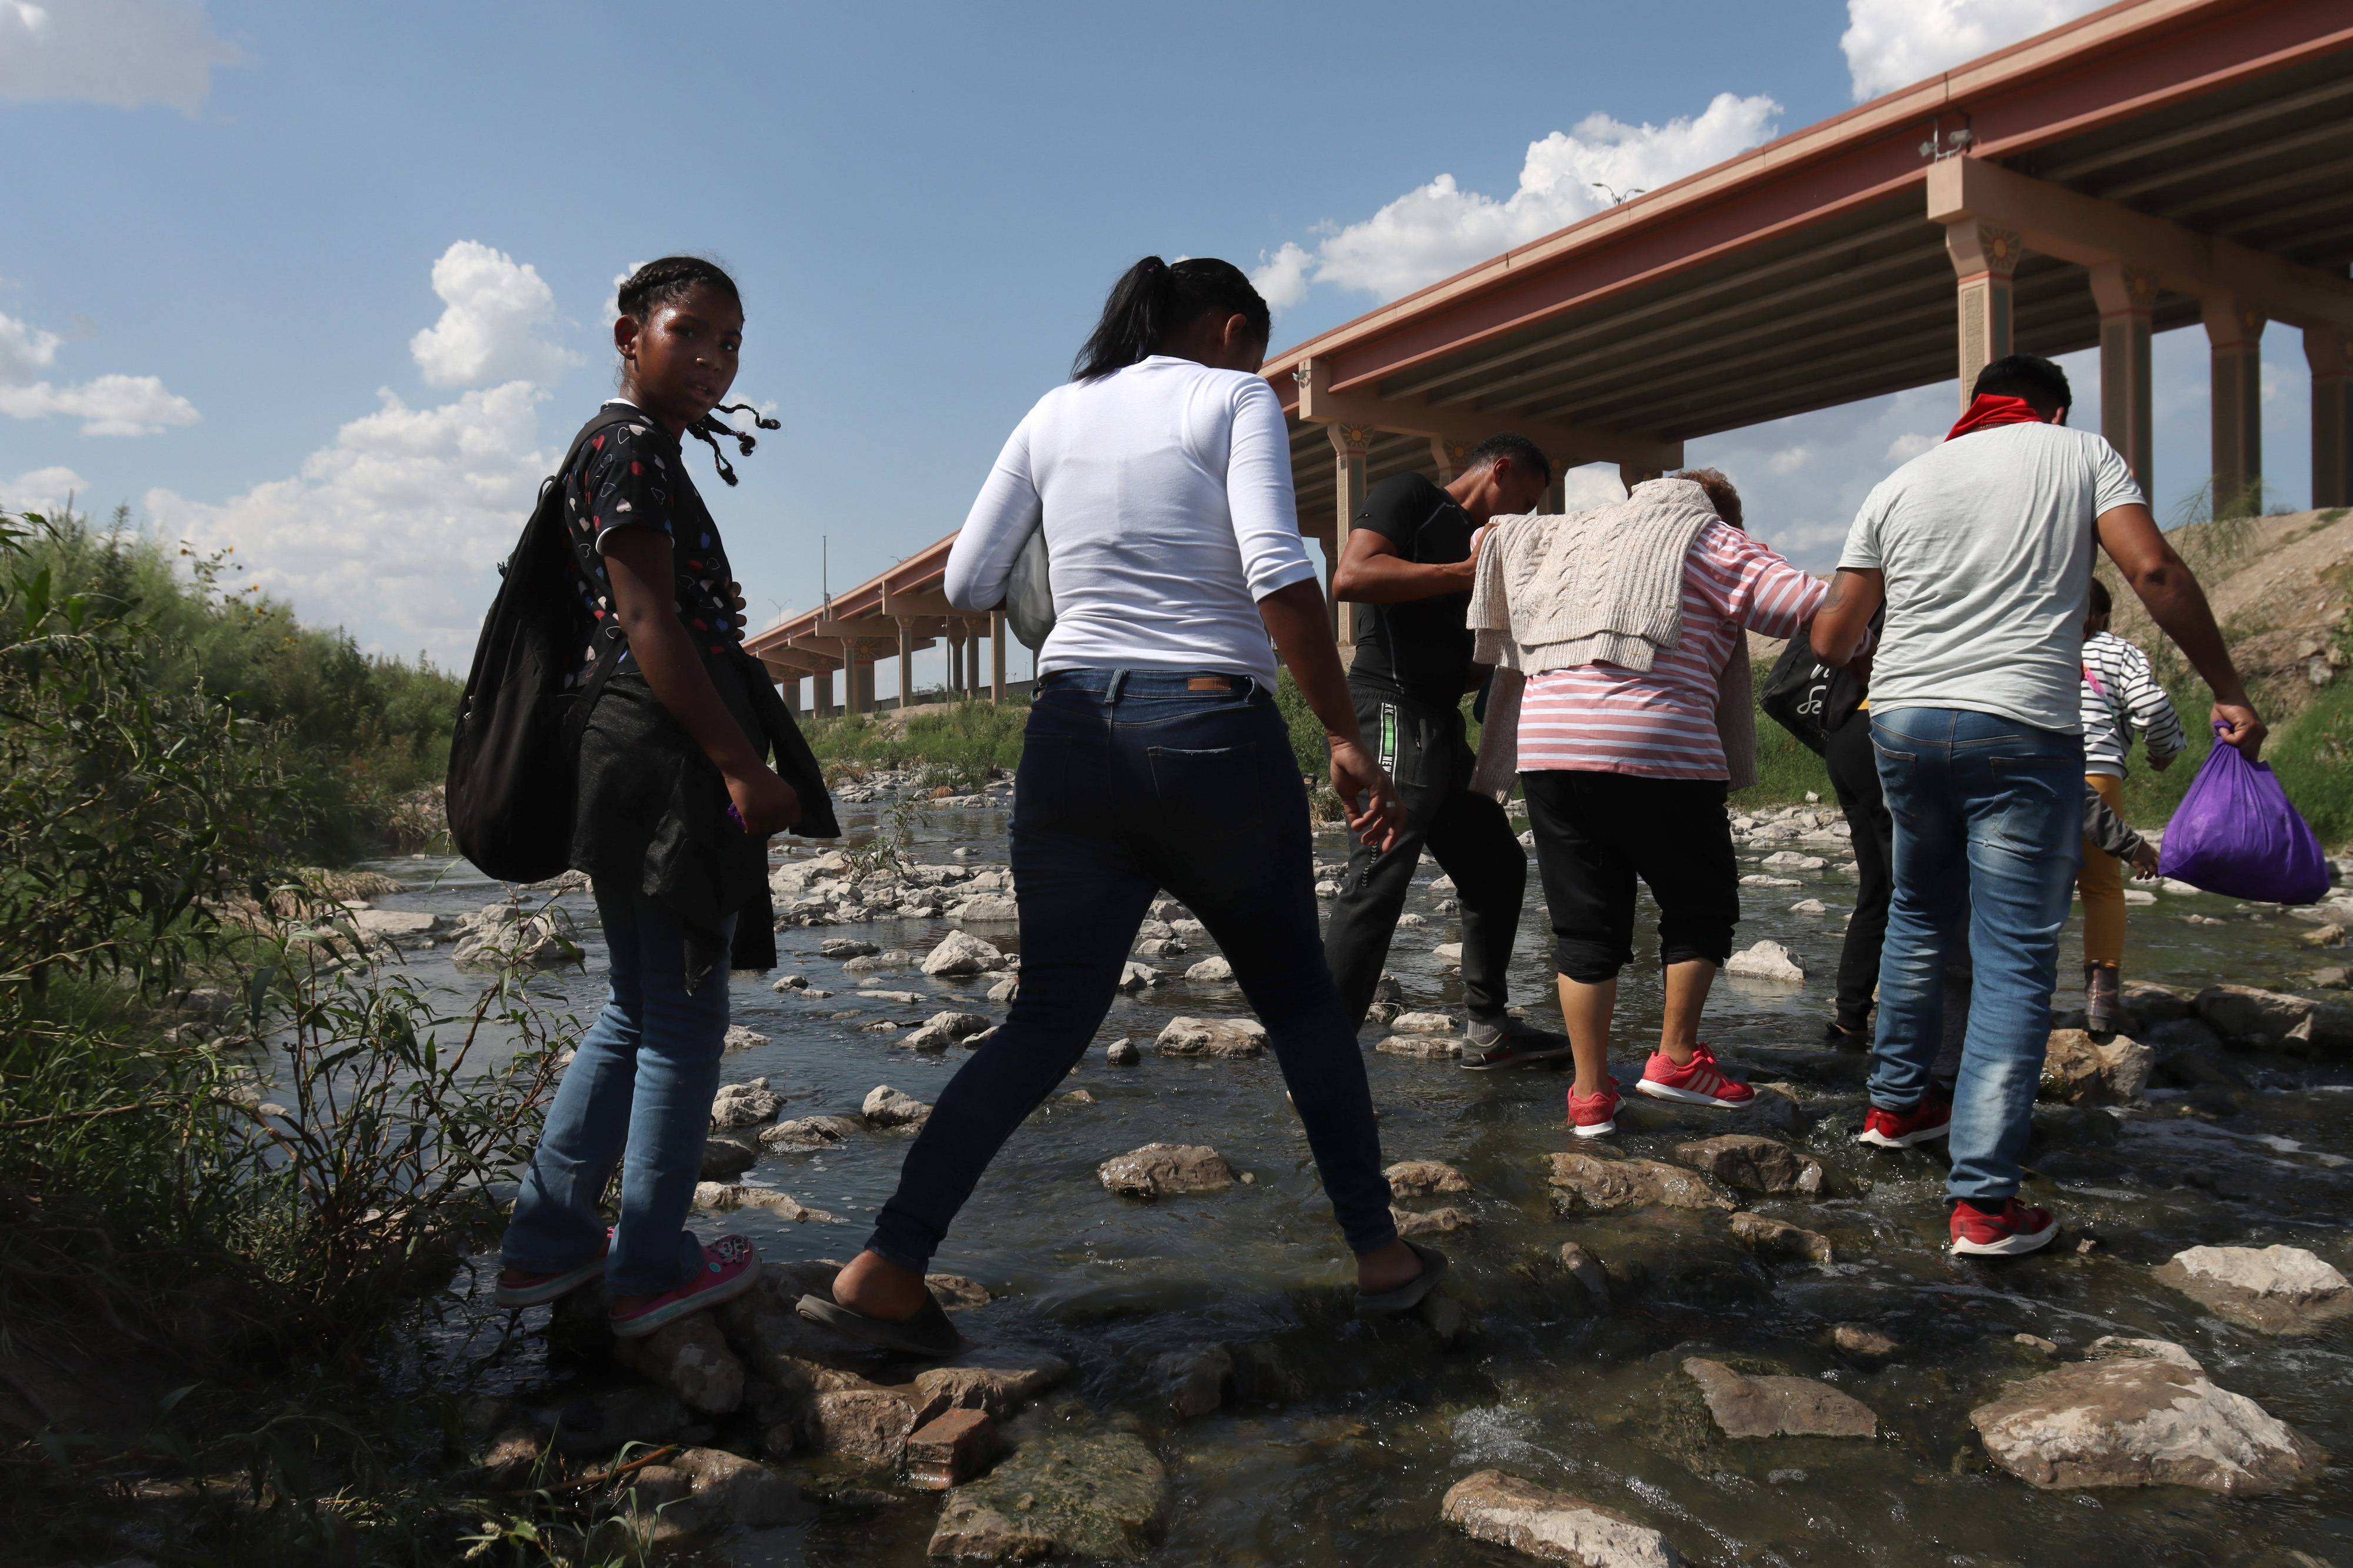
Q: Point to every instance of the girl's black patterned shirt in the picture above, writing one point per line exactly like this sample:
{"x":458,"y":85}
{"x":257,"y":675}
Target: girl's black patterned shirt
{"x":632,"y":475}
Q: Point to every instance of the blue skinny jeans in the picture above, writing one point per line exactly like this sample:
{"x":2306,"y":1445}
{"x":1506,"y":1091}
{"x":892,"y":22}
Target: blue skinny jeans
{"x":638,"y":1094}
{"x":1133,"y":781}
{"x":1990,"y":830}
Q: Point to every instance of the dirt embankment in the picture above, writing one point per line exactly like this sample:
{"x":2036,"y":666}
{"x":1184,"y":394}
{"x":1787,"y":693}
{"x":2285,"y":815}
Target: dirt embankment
{"x":2280,"y":587}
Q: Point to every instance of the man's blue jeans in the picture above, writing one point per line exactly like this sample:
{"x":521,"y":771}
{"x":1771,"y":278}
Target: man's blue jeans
{"x":1989,"y":811}
{"x":1133,"y":781}
{"x":641,"y":1083}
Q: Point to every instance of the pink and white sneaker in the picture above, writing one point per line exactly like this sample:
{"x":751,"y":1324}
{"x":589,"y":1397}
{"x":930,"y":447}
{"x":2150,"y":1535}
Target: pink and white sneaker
{"x":1697,"y":1082}
{"x":731,"y":1266}
{"x":517,"y":1288}
{"x":1593,"y":1115}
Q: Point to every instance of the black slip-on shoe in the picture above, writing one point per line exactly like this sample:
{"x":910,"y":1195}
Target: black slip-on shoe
{"x":928,"y":1333}
{"x":1408,"y":1296}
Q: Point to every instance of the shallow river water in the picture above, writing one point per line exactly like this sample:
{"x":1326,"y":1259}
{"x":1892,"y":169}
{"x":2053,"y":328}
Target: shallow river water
{"x":1544,"y":1384}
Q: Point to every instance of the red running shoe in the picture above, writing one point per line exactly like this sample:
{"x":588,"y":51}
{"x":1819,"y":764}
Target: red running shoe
{"x":2009,"y":1230}
{"x":1697,"y":1082}
{"x":731,"y":1266}
{"x":1902,"y":1129}
{"x":1593,"y":1115}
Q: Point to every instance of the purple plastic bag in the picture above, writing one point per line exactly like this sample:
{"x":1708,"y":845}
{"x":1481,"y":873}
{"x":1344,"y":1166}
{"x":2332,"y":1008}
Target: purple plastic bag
{"x":2236,"y":835}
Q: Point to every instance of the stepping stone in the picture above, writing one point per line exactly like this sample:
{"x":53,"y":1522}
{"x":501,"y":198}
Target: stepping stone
{"x":2275,"y":1289}
{"x":1157,"y":1169}
{"x":1746,"y":1406}
{"x":1552,"y":1527}
{"x":2141,"y":1413}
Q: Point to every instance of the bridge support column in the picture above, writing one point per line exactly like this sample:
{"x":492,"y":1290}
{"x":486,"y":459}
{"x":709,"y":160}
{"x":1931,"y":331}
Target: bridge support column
{"x":822,"y":692}
{"x":2235,"y":335}
{"x":996,"y":656}
{"x":1452,"y":456}
{"x":1985,"y":259}
{"x":2330,"y":354}
{"x":1349,"y":443}
{"x":1632,"y":474}
{"x":906,"y":664}
{"x":2126,"y":296}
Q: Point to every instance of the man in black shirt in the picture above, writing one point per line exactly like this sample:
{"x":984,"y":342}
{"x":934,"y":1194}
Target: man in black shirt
{"x":1409,"y":559}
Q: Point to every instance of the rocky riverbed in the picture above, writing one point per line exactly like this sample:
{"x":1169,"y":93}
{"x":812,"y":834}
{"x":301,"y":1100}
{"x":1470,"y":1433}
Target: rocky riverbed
{"x":1721,"y":1338}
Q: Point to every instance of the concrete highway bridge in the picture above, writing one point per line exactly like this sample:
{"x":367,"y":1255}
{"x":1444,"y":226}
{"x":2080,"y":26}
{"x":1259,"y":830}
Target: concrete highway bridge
{"x":2154,"y":164}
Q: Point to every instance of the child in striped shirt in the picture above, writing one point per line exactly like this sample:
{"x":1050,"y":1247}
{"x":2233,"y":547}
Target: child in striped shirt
{"x":2121,"y":698}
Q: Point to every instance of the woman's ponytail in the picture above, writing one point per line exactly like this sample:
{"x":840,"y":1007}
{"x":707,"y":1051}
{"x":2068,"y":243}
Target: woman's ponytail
{"x":1153,"y":300}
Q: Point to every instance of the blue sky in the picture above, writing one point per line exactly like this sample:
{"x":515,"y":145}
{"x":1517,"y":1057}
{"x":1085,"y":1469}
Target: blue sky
{"x":228,"y":222}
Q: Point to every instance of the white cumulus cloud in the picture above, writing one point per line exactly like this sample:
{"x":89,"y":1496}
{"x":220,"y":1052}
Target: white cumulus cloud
{"x":489,"y":330}
{"x":108,"y":406}
{"x":25,"y":351}
{"x":1894,"y":42}
{"x":393,"y":531}
{"x":125,"y":53}
{"x":1440,"y":229}
{"x":43,"y":489}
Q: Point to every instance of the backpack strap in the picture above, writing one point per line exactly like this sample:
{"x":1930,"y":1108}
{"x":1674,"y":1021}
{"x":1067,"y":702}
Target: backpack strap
{"x":608,"y":636}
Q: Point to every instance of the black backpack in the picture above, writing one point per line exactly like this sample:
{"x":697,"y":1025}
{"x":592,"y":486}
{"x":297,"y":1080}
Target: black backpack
{"x":1808,"y":697}
{"x":514,"y":754}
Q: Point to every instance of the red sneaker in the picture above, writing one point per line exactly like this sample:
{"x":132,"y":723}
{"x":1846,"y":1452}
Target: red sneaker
{"x":2013,"y":1229}
{"x":1593,"y":1115}
{"x":1697,"y":1082}
{"x":731,"y":1266}
{"x":1902,"y":1129}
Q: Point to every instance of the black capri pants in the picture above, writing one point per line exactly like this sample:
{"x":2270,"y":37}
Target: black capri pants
{"x":1596,"y":832}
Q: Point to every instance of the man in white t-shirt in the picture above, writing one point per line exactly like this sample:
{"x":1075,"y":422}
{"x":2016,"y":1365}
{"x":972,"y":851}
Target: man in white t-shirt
{"x":1981,"y":551}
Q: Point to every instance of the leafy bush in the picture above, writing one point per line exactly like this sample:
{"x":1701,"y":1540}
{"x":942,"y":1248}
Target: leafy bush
{"x":357,"y":730}
{"x":260,"y":1183}
{"x":963,"y":746}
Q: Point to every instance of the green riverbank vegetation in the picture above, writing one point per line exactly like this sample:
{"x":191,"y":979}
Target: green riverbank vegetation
{"x":243,"y":1158}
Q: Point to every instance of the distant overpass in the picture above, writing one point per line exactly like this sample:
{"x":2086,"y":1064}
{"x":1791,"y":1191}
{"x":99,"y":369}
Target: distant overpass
{"x":2154,"y":164}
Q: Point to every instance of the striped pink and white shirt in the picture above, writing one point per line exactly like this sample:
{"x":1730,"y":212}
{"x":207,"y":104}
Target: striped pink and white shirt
{"x":1661,"y":722}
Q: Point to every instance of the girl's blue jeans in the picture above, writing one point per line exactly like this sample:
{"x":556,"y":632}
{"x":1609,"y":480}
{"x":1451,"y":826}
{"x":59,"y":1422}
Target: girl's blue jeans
{"x":638,"y":1094}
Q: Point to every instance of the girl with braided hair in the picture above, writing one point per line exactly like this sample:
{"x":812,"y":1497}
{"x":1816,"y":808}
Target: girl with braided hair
{"x":674,"y":806}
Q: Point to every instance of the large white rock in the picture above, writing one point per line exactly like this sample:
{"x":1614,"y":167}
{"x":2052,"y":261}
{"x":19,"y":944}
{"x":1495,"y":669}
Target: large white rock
{"x":1211,"y":1038}
{"x":2278,"y":1289}
{"x":1552,"y":1527}
{"x":888,"y":1107}
{"x":1136,"y":976}
{"x":989,"y":908}
{"x":2288,"y":1271}
{"x":1211,"y":972}
{"x":1159,"y":1169}
{"x":2142,"y":1414}
{"x":1766,"y":960}
{"x":962,"y":954}
{"x":1790,"y":860}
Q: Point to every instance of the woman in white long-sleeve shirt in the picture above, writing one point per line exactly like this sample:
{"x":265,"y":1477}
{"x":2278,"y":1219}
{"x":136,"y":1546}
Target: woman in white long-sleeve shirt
{"x":1154,"y":757}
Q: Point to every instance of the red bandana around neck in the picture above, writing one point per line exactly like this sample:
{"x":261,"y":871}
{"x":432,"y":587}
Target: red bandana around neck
{"x":1990,"y":409}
